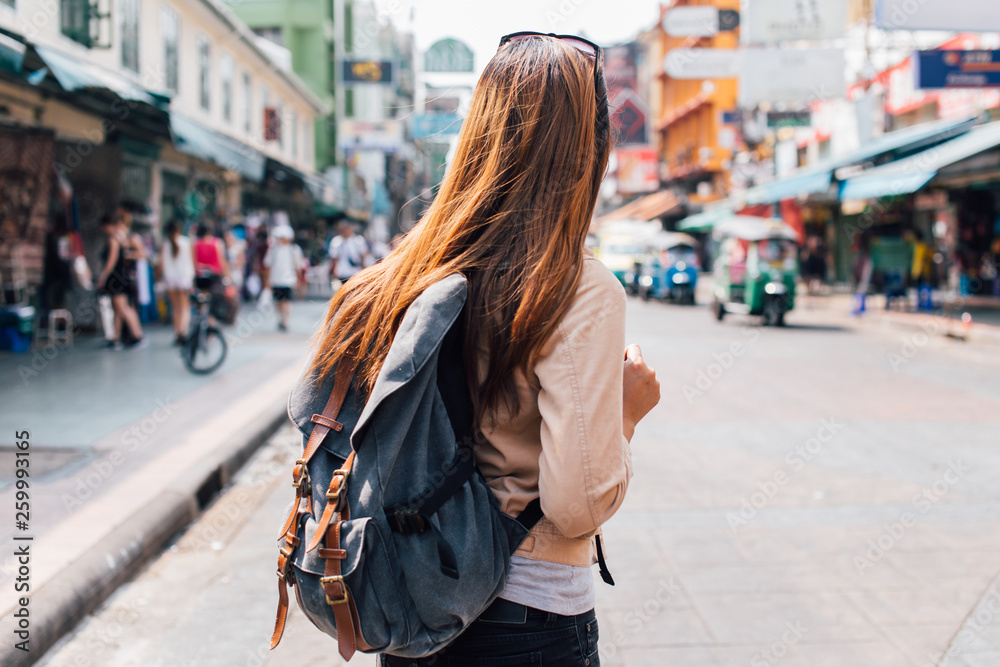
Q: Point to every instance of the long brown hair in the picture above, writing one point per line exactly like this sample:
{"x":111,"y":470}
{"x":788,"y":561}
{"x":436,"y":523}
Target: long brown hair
{"x":512,"y":215}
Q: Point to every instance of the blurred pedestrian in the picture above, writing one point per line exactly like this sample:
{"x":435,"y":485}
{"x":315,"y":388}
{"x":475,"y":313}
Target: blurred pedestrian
{"x":814,"y":265}
{"x":556,"y":395}
{"x":255,"y":270}
{"x":283,"y":260}
{"x":349,"y":253}
{"x":177,"y":269}
{"x":209,"y":255}
{"x":115,"y":281}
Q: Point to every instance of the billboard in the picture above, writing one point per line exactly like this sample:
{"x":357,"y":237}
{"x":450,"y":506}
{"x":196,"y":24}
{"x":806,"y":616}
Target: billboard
{"x":442,"y":125}
{"x":638,"y":170}
{"x":702,"y":63}
{"x":952,"y":15}
{"x":957,"y":69}
{"x":791,"y":75}
{"x":367,"y":71}
{"x":777,"y":20}
{"x":628,"y":110}
{"x":698,"y":21}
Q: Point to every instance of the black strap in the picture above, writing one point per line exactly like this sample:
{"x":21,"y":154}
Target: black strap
{"x":531,"y":514}
{"x":602,"y":564}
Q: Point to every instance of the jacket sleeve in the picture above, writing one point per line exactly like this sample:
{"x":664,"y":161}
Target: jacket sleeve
{"x":586,"y":463}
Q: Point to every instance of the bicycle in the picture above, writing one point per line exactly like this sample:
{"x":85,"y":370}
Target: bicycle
{"x":205,"y":348}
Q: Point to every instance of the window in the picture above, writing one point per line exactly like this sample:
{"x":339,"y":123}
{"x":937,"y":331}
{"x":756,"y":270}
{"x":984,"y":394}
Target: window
{"x":170,"y":27}
{"x":265,"y":101}
{"x":130,"y":34}
{"x":293,"y":123}
{"x":205,"y":72}
{"x":270,"y":34}
{"x":226,"y":74}
{"x":75,"y":18}
{"x":247,"y":104}
{"x":281,"y":121}
{"x":307,"y":147}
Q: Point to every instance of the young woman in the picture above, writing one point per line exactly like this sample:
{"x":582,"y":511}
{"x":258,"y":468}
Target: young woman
{"x":209,"y":254}
{"x":177,"y":267}
{"x":115,"y":281}
{"x":557,"y":396}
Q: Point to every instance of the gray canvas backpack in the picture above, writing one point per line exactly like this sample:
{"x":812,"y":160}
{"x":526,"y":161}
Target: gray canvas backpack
{"x":394,"y":542}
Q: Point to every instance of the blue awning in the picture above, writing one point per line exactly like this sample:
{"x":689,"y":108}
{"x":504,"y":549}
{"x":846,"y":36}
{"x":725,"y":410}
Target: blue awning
{"x":11,"y":54}
{"x":818,"y":178}
{"x":74,"y":74}
{"x":192,"y":138}
{"x":912,"y":173}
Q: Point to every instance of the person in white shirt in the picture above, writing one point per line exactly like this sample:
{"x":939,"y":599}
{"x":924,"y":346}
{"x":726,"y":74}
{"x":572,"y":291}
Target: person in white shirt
{"x":284,"y":260}
{"x":177,"y":273}
{"x":348,"y":251}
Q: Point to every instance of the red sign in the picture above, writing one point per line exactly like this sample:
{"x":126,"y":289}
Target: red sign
{"x":638,"y":170}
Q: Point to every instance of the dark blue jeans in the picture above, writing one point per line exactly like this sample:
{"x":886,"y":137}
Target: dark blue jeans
{"x":512,"y":635}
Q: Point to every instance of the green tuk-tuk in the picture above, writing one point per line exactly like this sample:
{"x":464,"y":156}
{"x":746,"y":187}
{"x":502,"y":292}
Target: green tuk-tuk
{"x":756,"y":268}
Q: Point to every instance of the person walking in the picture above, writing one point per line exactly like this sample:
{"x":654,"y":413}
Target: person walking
{"x":283,"y":261}
{"x":177,"y":271}
{"x":115,"y":281}
{"x":349,"y":253}
{"x":556,"y":393}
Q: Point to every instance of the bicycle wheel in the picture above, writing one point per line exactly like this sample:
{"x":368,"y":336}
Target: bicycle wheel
{"x":205,"y":352}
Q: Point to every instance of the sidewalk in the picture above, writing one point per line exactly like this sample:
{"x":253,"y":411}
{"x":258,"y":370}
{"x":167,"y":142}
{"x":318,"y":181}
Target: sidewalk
{"x":127,"y":448}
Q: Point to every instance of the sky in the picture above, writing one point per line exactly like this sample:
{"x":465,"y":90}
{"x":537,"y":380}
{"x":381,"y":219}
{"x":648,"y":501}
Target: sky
{"x":481,"y":23}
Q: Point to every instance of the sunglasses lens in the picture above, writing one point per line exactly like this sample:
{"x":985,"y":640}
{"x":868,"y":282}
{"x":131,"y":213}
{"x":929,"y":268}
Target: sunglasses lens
{"x":587,"y":49}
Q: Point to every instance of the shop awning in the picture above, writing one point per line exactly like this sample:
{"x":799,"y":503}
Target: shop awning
{"x":816,"y":179}
{"x":645,"y":208}
{"x":73,"y":75}
{"x":192,"y":138}
{"x":11,"y":54}
{"x":912,"y":173}
{"x":704,"y":221}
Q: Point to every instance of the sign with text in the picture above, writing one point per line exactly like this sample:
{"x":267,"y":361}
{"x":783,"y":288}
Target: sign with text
{"x":953,"y":15}
{"x":789,"y":118}
{"x":957,"y":69}
{"x":791,"y":75}
{"x":367,"y":71}
{"x":702,"y":63}
{"x":697,"y":21}
{"x":442,"y":125}
{"x":777,"y":20}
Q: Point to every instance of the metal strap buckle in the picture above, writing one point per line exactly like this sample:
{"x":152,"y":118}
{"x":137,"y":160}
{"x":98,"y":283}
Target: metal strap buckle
{"x":335,"y":579}
{"x":303,"y":477}
{"x":337,"y":495}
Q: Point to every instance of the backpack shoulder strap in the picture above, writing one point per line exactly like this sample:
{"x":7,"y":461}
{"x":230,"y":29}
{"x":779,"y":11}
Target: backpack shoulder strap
{"x":323,"y":424}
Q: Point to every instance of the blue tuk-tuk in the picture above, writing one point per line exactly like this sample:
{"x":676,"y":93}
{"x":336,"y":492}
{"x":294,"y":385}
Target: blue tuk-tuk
{"x":670,"y":270}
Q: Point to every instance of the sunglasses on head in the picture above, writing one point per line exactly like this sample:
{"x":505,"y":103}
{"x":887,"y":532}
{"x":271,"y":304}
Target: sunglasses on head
{"x":585,"y":46}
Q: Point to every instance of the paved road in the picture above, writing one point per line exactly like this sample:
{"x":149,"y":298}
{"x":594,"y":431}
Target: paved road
{"x":808,"y":496}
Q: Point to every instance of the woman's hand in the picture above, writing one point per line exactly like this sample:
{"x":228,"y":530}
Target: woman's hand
{"x":640,"y":390}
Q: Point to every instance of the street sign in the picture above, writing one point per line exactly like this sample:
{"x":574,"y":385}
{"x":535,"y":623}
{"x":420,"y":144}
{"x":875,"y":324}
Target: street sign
{"x":629,"y":116}
{"x":789,"y":118}
{"x":957,"y":69}
{"x":367,"y":71}
{"x":791,"y":75}
{"x":952,"y":15}
{"x":702,"y":63}
{"x":272,"y":124}
{"x":435,"y":124}
{"x":734,"y":117}
{"x":699,"y":21}
{"x":776,"y":20}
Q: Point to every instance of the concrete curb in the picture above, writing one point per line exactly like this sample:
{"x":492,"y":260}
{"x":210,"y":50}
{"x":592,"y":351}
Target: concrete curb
{"x":84,"y":584}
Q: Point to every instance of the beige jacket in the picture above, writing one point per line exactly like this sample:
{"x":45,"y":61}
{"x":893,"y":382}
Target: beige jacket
{"x":566,"y":444}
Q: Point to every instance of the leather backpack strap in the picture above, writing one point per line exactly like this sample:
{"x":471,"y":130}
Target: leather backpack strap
{"x":338,"y":596}
{"x":323,"y":424}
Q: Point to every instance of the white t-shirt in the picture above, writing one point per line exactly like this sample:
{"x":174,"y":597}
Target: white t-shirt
{"x":284,"y":260}
{"x":350,"y":252}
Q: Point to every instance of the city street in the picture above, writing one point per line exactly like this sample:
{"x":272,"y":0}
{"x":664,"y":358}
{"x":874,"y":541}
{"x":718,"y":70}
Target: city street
{"x":815,"y":495}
